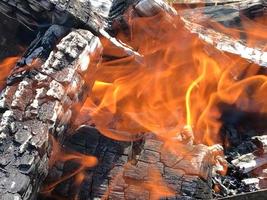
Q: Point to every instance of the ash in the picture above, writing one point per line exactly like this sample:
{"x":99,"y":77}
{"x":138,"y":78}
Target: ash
{"x":245,"y":154}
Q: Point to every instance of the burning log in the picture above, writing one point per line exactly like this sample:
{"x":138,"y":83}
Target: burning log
{"x":51,"y":101}
{"x":92,"y":14}
{"x":40,"y":100}
{"x":229,"y":15}
{"x":82,"y":14}
{"x":205,"y":2}
{"x":128,"y":171}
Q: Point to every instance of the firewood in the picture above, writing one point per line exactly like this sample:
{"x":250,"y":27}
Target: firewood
{"x":210,"y":2}
{"x":52,"y":105}
{"x":91,"y":15}
{"x":153,"y":7}
{"x":74,"y":13}
{"x":39,"y":101}
{"x":196,"y":19}
{"x":223,"y":13}
{"x":249,"y":162}
{"x":119,"y":175}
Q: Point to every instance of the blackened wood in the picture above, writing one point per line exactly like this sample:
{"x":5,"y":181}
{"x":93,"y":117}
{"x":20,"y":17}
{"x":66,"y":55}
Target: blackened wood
{"x":41,"y":99}
{"x":229,"y":15}
{"x":74,"y":13}
{"x":204,"y":2}
{"x":125,"y":170}
{"x":224,"y":13}
{"x":93,"y":15}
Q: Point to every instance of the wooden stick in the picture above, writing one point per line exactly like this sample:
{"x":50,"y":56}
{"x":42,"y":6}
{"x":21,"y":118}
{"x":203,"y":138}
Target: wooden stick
{"x":249,"y":162}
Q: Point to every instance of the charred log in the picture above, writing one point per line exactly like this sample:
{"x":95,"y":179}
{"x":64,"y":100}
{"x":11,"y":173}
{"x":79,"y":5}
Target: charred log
{"x":125,"y":170}
{"x":198,"y":20}
{"x":91,"y":13}
{"x":40,"y":101}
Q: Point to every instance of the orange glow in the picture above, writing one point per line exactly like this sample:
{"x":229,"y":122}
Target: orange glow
{"x":5,"y":68}
{"x":182,"y":81}
{"x":188,"y":95}
{"x":60,"y":155}
{"x":156,"y":186}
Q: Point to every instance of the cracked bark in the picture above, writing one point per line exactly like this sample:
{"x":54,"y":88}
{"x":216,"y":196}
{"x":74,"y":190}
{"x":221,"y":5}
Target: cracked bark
{"x":125,"y":170}
{"x":229,"y":15}
{"x":48,"y":109}
{"x":41,"y":99}
{"x":72,"y":13}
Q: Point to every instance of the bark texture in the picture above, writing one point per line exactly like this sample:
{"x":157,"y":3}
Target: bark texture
{"x":199,"y":20}
{"x":41,"y":100}
{"x":127,"y":171}
{"x":73,"y":13}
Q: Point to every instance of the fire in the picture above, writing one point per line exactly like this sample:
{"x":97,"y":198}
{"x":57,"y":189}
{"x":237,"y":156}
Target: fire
{"x":61,"y":155}
{"x":156,"y":186}
{"x":5,"y":68}
{"x":182,"y":81}
{"x":129,"y":98}
{"x":188,"y":96}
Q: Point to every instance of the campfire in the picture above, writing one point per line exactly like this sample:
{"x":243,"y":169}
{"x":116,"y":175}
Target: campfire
{"x":134,"y":99}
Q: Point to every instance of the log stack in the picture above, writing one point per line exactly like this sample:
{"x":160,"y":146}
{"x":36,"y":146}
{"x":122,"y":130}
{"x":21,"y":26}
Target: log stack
{"x":49,"y":84}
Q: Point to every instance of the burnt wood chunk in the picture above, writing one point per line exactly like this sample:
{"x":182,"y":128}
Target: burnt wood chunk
{"x":73,"y":13}
{"x":249,"y":162}
{"x":200,"y":20}
{"x":120,"y":176}
{"x":41,"y":100}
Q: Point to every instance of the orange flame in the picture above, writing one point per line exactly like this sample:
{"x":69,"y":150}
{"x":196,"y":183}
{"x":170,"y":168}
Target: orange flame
{"x":60,"y":155}
{"x":5,"y":68}
{"x":156,"y":186}
{"x":182,"y":81}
